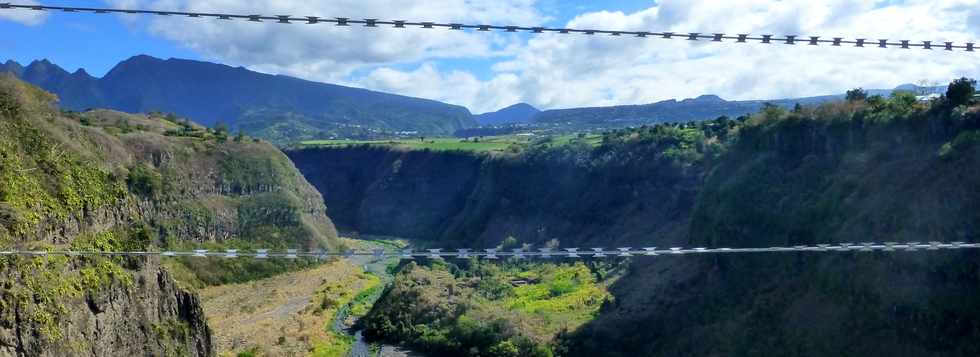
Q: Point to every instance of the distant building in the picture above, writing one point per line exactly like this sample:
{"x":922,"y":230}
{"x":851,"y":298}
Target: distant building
{"x":525,"y":134}
{"x":927,"y":97}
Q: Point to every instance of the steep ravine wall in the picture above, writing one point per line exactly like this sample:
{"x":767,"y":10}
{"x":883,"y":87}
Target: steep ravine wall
{"x":151,"y":316}
{"x":479,"y":200}
{"x":830,"y":176}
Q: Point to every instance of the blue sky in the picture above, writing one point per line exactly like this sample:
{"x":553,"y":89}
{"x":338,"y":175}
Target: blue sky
{"x":98,"y":42}
{"x":93,"y":42}
{"x":488,"y":71}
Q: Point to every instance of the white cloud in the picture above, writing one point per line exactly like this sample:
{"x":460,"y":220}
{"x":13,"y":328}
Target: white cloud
{"x":566,"y":71}
{"x":555,"y":71}
{"x":455,"y":87}
{"x":331,"y":53}
{"x":26,"y":17}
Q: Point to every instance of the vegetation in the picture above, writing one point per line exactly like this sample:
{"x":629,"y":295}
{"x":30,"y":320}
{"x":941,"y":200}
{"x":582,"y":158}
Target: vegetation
{"x":498,"y":144}
{"x":873,"y":168}
{"x":961,"y":91}
{"x":199,"y":273}
{"x":144,"y":181}
{"x":45,"y":286}
{"x":364,"y":300}
{"x":109,"y":181}
{"x":288,"y":314}
{"x":487,"y":309}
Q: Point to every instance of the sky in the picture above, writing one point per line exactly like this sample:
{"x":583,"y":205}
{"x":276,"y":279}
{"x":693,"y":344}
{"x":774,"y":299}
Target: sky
{"x":487,"y":71}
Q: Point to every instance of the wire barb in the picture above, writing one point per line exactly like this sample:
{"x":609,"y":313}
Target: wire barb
{"x":344,"y":22}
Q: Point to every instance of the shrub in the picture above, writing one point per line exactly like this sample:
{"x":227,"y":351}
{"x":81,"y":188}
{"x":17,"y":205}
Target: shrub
{"x":961,"y":91}
{"x":144,"y":181}
{"x":857,"y":94}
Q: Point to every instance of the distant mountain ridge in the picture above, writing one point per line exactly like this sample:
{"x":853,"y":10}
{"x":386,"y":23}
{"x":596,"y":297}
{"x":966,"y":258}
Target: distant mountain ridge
{"x":704,"y":107}
{"x":209,"y":92}
{"x":517,"y":113}
{"x":284,"y":109}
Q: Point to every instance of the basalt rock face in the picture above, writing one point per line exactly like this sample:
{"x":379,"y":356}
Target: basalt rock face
{"x":479,"y":200}
{"x":151,"y":317}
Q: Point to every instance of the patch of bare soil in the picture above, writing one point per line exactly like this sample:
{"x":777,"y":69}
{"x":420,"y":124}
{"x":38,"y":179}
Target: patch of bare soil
{"x":277,"y":315}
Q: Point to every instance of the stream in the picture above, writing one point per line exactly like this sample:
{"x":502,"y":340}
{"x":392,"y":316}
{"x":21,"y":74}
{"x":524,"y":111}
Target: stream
{"x":360,"y":347}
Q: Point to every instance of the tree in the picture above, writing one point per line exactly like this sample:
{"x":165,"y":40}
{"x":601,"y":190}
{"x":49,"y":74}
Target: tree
{"x":797,"y":108}
{"x":504,"y":348}
{"x":240,"y":137}
{"x":220,"y":127}
{"x":144,"y":181}
{"x":961,"y":91}
{"x":857,"y":94}
{"x":123,"y":124}
{"x":508,"y":243}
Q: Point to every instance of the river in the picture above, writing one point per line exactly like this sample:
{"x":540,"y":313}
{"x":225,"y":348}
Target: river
{"x":362,"y":348}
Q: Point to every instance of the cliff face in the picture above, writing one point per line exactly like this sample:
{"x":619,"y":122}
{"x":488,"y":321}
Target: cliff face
{"x":462,"y":198}
{"x":149,"y":316}
{"x":784,"y":182}
{"x":850,"y":172}
{"x":103,"y":180}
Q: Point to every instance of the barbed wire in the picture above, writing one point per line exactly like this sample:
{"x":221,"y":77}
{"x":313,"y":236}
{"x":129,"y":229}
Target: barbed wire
{"x":402,"y":24}
{"x":495,"y":253}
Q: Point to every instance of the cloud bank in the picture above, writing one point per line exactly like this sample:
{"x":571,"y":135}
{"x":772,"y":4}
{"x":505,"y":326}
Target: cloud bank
{"x":25,"y":17}
{"x":556,"y":71}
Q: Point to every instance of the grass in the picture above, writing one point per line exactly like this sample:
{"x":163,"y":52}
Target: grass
{"x":589,"y":139}
{"x":490,"y":308}
{"x":287,"y":314}
{"x":362,"y":303}
{"x":564,"y":296}
{"x":488,"y":144}
{"x":502,"y":143}
{"x":195,"y":273}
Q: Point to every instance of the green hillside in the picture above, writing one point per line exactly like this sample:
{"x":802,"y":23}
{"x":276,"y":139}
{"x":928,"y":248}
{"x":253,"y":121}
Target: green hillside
{"x":103,"y":180}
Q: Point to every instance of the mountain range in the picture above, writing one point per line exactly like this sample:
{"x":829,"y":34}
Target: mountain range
{"x":700,"y":108}
{"x":285,"y":109}
{"x":252,"y":101}
{"x":517,"y":113}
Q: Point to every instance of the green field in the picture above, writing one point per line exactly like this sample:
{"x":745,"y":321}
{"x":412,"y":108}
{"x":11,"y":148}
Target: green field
{"x":505,"y":143}
{"x":496,"y":143}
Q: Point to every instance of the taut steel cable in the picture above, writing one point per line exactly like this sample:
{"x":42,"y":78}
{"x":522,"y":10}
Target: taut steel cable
{"x":494,"y":253}
{"x":402,"y":24}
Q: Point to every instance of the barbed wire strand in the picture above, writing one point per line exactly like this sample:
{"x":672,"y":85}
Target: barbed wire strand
{"x":402,"y":24}
{"x":494,"y":253}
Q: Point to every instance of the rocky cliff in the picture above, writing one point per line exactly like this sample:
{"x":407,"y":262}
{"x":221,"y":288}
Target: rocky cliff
{"x":582,"y":197}
{"x":103,"y":180}
{"x":880,"y":170}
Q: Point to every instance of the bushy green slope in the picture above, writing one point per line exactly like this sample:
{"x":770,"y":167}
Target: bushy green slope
{"x":103,"y":180}
{"x":875,"y":170}
{"x":483,"y":308}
